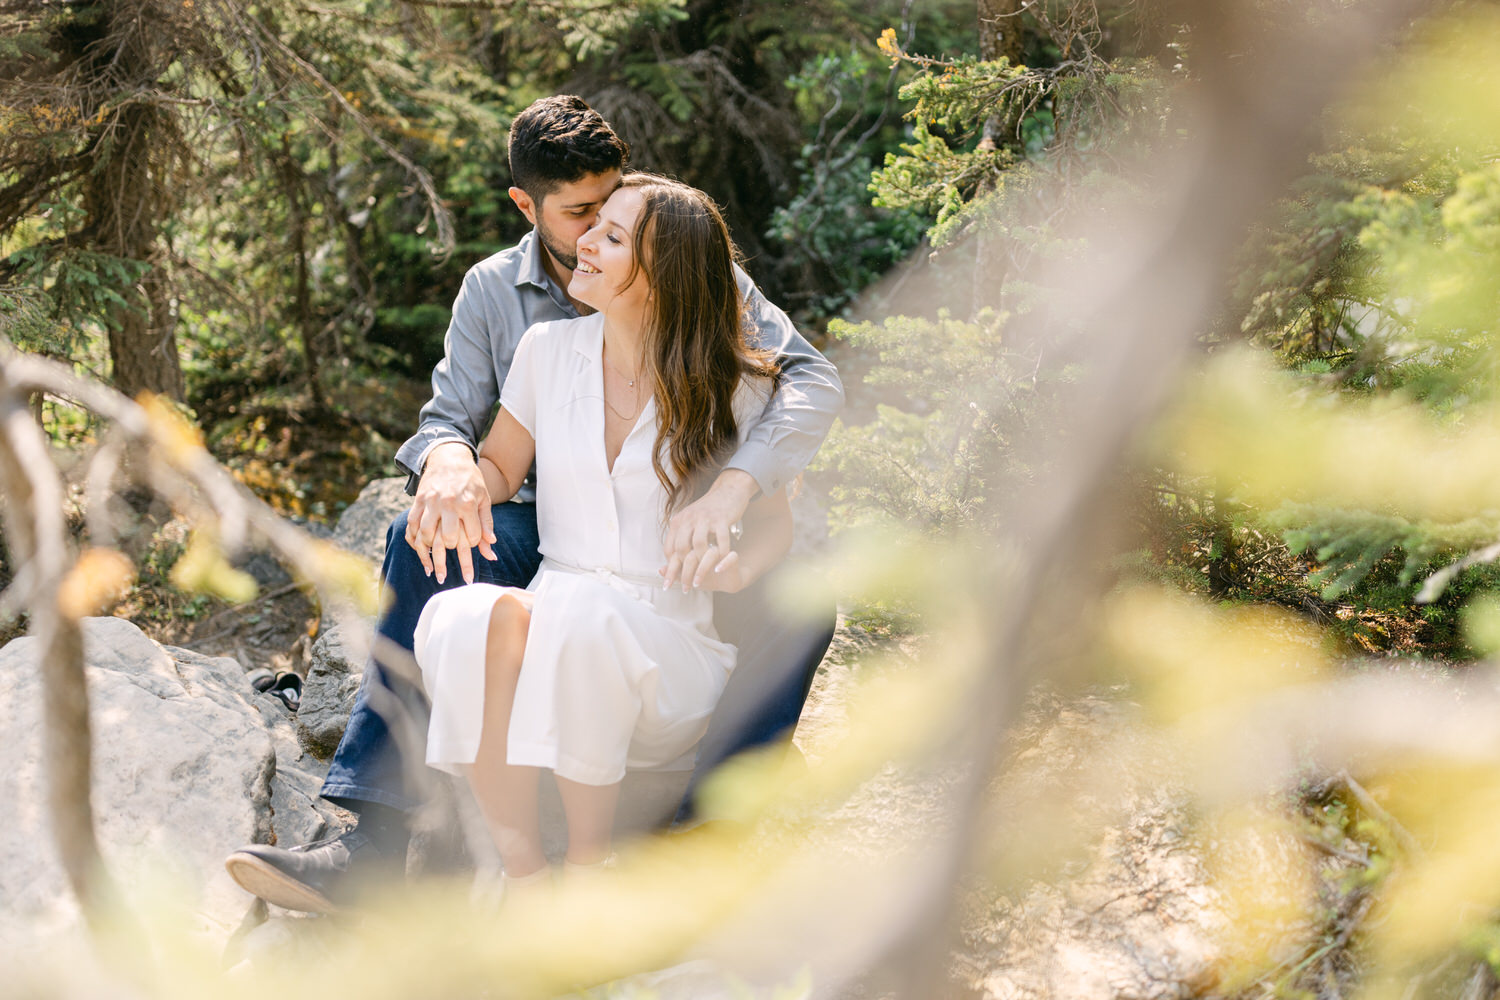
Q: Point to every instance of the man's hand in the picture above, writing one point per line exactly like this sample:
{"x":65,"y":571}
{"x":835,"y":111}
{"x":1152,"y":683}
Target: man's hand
{"x":699,"y":535}
{"x":451,"y":511}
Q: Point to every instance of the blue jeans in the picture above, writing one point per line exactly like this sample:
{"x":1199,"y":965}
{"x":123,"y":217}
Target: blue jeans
{"x":764,"y":697}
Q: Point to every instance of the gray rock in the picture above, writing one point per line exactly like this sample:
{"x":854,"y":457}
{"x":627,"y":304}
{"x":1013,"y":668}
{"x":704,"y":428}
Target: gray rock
{"x":1124,"y":905}
{"x":265,"y":570}
{"x":338,"y":660}
{"x":362,"y":527}
{"x":298,"y":814}
{"x":328,"y":694}
{"x":318,"y":529}
{"x":182,"y":768}
{"x":809,"y":524}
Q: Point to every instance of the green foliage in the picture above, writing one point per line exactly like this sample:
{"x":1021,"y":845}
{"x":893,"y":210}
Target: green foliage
{"x":938,"y":451}
{"x":592,"y":30}
{"x":1040,"y":115}
{"x":931,"y":177}
{"x":1201,"y":543}
{"x":83,"y":288}
{"x":934,"y":456}
{"x":1317,"y":281}
{"x":1376,"y":278}
{"x":1348,"y":545}
{"x":830,"y":225}
{"x":23,"y":316}
{"x":1373,"y":278}
{"x":962,"y":95}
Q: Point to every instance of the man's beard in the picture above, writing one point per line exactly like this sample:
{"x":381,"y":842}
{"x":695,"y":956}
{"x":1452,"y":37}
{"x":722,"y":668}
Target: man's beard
{"x":566,"y":256}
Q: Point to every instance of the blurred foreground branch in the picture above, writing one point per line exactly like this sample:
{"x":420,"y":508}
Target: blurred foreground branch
{"x":157,"y":450}
{"x":1142,"y":295}
{"x":38,"y":541}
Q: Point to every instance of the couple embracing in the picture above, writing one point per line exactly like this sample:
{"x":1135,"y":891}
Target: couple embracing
{"x":584,"y":591}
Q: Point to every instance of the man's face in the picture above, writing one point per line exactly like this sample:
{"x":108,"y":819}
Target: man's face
{"x":567,"y":212}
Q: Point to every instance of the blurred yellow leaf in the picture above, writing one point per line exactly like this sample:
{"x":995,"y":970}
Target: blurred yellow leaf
{"x":1481,"y":622}
{"x":181,"y":441}
{"x":203,"y":569}
{"x":1446,"y":89}
{"x":96,"y":582}
{"x":1264,"y":876}
{"x":1191,"y":658}
{"x":347,"y":574}
{"x":1264,"y":440}
{"x":1432,"y":901}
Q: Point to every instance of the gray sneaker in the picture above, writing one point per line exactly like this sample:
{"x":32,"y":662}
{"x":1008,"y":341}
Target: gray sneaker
{"x":321,"y":877}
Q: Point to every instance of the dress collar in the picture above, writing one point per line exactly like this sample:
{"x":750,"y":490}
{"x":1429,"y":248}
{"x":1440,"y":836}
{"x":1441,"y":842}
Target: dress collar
{"x":590,"y":339}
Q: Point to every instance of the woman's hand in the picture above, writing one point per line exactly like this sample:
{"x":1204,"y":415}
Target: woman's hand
{"x":698,"y":535}
{"x":727,"y":575}
{"x":735,"y":559}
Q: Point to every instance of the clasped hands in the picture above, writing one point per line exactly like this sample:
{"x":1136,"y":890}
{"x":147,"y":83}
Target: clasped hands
{"x":452,"y":511}
{"x":699,"y":544}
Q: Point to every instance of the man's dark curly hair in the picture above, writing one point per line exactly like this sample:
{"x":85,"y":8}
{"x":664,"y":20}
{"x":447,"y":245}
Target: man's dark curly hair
{"x":558,"y":140}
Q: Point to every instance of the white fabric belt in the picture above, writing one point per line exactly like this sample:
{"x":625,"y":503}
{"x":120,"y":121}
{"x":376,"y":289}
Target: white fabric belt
{"x":640,"y":587}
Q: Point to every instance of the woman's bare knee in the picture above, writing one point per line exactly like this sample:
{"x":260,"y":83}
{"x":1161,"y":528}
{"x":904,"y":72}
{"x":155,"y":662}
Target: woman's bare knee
{"x":509,"y":622}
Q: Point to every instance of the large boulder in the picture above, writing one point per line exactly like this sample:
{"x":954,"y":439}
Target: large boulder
{"x":296,"y":814}
{"x":362,"y":527}
{"x":328,"y":695}
{"x":338,"y":656}
{"x":182,"y":767}
{"x":1119,"y":901}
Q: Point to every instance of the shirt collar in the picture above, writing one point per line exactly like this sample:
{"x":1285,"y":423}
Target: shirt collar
{"x":531,"y":271}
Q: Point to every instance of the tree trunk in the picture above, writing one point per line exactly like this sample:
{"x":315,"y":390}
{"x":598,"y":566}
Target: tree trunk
{"x":999,"y":38}
{"x":1000,"y":30}
{"x":125,"y":203}
{"x":294,"y":184}
{"x":128,"y":195}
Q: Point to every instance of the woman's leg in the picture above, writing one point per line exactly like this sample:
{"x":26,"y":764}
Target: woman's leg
{"x":507,"y":795}
{"x":590,"y":810}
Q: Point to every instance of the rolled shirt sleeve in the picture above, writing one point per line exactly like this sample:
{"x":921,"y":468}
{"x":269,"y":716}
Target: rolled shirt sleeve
{"x":800,"y":413}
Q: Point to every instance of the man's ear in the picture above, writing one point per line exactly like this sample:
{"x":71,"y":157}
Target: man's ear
{"x":524,"y":203}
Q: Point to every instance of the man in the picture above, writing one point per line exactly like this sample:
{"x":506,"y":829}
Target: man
{"x":565,"y":162}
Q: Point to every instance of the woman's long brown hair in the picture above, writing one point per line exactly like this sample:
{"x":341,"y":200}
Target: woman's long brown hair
{"x":694,"y":342}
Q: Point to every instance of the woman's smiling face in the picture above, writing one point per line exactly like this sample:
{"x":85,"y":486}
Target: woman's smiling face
{"x":607,"y":277}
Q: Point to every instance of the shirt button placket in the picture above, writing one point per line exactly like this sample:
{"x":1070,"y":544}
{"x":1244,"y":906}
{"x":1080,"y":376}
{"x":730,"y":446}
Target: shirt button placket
{"x":612,"y":524}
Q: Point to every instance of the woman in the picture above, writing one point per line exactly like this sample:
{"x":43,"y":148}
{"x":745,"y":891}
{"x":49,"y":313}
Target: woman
{"x":627,"y":413}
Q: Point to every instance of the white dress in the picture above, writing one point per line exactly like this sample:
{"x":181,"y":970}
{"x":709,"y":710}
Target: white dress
{"x":617,"y":672}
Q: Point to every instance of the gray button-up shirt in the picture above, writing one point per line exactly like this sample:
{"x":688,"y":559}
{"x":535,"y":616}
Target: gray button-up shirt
{"x":503,"y":295}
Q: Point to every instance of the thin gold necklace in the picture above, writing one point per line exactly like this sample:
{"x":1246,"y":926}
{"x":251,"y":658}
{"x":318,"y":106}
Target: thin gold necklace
{"x":640,"y":404}
{"x":628,"y":381}
{"x":623,"y":416}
